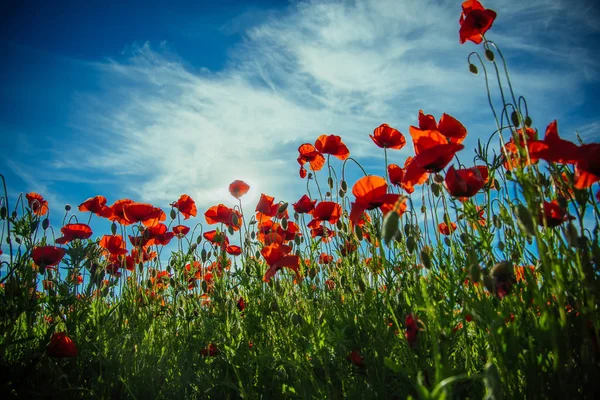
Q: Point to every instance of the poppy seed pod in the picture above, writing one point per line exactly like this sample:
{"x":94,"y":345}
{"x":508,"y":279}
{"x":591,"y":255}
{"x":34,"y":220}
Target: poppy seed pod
{"x":473,"y":69}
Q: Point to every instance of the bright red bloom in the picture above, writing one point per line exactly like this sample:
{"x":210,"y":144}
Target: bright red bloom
{"x":210,"y":351}
{"x":114,"y":244}
{"x":186,"y":206}
{"x":448,"y":126}
{"x":587,"y":168}
{"x":411,"y":329}
{"x":332,"y":144}
{"x":181,"y":230}
{"x":325,"y":211}
{"x":474,"y":21}
{"x":355,"y":358}
{"x":371,"y":193}
{"x":61,"y":346}
{"x":395,"y":174}
{"x":385,"y":136}
{"x":216,"y":238}
{"x":265,"y":205}
{"x":47,"y":256}
{"x":117,"y":211}
{"x":553,"y":148}
{"x":158,"y":235}
{"x":238,"y":188}
{"x":444,"y":229}
{"x":145,"y":213}
{"x":348,"y":248}
{"x":466,"y":182}
{"x":308,"y":154}
{"x":233,"y":250}
{"x":96,"y":205}
{"x":553,"y":214}
{"x":225,"y":215}
{"x":325,"y":258}
{"x":304,"y":205}
{"x":277,"y":256}
{"x":38,"y":205}
{"x":74,"y":231}
{"x":325,"y":233}
{"x":241,"y":304}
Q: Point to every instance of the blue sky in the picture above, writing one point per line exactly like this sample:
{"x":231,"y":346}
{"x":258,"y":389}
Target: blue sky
{"x":155,"y":99}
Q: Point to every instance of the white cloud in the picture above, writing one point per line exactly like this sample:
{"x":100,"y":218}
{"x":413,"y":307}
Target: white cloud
{"x":160,"y":129}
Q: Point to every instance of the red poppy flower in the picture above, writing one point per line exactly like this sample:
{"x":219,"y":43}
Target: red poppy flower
{"x":233,"y":250}
{"x":114,"y":244}
{"x":325,"y":258}
{"x":181,"y":230}
{"x":332,"y":144}
{"x":587,"y":168}
{"x":553,"y":148}
{"x":117,"y":211}
{"x":145,"y":213}
{"x":38,"y":205}
{"x":553,"y":214}
{"x":304,"y":205}
{"x":385,"y":136}
{"x":395,"y":174}
{"x":308,"y":154}
{"x":210,"y":351}
{"x":74,"y":231}
{"x":225,"y":215}
{"x":411,"y":329}
{"x":61,"y":346}
{"x":265,"y":205}
{"x":474,"y":21}
{"x":348,"y":248}
{"x":186,"y":206}
{"x":277,"y":256}
{"x":355,"y":358}
{"x":326,"y":234}
{"x":444,"y":229}
{"x":325,"y":211}
{"x":238,"y":188}
{"x":371,"y":193}
{"x":96,"y":205}
{"x":430,"y":159}
{"x":241,"y":304}
{"x":216,"y":238}
{"x":158,"y":235}
{"x":47,"y":256}
{"x":466,"y":182}
{"x":448,"y":126}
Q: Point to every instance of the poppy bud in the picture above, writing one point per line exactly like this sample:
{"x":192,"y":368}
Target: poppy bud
{"x":528,"y":121}
{"x":173,"y":213}
{"x":14,"y":215}
{"x":514,"y":117}
{"x":390,"y":226}
{"x":198,"y":239}
{"x":113,"y":228}
{"x":230,"y":229}
{"x":571,"y":234}
{"x":489,"y":55}
{"x":3,"y":212}
{"x":425,"y":257}
{"x":203,"y":255}
{"x":496,"y":221}
{"x":67,"y":207}
{"x":330,"y":182}
{"x":464,"y":238}
{"x":473,"y":69}
{"x":447,"y":241}
{"x":361,"y":285}
{"x":45,"y":223}
{"x":410,"y":244}
{"x":475,"y":273}
{"x":33,"y":226}
{"x":296,"y":216}
{"x":437,"y":178}
{"x":525,"y":220}
{"x":204,"y":287}
{"x":359,"y":233}
{"x":423,"y":209}
{"x":344,"y":186}
{"x":282,"y":208}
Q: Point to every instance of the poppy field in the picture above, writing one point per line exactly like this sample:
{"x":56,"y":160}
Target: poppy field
{"x":461,"y":273}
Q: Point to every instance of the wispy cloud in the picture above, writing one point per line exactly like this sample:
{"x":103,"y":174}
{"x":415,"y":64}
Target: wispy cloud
{"x":160,"y":129}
